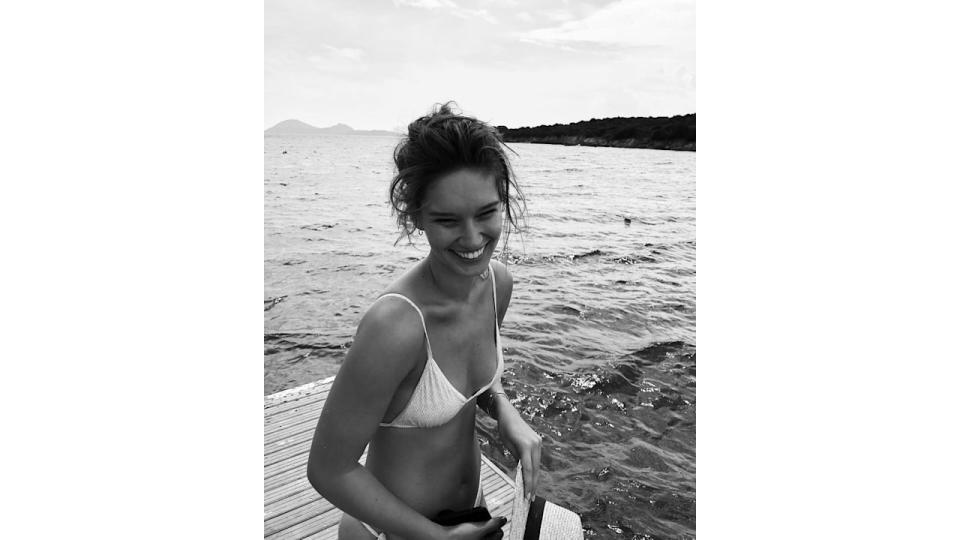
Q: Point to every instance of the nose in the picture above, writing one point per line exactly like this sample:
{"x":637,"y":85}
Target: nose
{"x":471,"y":237}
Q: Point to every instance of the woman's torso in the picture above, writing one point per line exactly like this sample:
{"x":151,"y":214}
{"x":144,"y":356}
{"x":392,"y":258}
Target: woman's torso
{"x":437,"y":468}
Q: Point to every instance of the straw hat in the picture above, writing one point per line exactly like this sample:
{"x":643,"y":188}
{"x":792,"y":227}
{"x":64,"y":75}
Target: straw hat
{"x":543,"y":519}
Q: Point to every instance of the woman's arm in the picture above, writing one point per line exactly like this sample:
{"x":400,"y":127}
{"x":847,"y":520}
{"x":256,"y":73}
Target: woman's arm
{"x":515,"y":433}
{"x":387,"y":347}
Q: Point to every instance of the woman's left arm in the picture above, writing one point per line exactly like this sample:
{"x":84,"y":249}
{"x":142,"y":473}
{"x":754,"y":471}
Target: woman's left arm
{"x":515,"y":433}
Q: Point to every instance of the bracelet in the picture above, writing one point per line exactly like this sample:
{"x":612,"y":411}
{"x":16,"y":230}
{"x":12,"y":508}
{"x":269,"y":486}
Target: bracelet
{"x":488,"y":404}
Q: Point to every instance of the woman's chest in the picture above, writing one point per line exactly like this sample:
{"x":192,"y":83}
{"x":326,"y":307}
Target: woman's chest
{"x":464,"y":347}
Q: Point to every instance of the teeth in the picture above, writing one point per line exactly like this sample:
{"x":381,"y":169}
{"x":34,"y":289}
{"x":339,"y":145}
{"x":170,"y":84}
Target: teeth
{"x":472,"y":255}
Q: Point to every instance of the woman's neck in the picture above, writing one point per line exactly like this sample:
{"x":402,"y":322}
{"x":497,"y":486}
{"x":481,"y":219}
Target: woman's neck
{"x":451,"y":286}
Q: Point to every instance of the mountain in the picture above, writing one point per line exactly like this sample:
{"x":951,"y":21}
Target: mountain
{"x":296,"y":127}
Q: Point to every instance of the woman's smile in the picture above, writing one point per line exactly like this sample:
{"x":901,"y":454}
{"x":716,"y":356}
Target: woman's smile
{"x":471,"y":255}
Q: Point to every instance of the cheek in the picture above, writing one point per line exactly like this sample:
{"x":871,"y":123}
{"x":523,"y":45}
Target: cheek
{"x":499,"y":221}
{"x":439,"y":236}
{"x":496,"y":227}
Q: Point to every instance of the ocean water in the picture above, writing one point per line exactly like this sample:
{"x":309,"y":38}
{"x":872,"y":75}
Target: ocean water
{"x":600,"y":339}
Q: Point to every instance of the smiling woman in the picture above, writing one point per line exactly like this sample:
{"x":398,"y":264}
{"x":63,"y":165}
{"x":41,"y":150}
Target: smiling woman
{"x":445,"y":142}
{"x":429,"y":341}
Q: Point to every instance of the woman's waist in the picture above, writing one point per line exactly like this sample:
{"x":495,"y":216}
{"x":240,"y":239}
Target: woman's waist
{"x":429,"y":481}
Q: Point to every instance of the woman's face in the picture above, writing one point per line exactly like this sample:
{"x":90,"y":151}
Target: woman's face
{"x":462,"y":220}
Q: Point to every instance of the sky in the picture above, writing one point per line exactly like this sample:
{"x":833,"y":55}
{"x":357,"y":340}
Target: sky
{"x":379,"y":64}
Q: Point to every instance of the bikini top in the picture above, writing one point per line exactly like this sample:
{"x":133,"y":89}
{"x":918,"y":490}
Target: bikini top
{"x":435,"y":401}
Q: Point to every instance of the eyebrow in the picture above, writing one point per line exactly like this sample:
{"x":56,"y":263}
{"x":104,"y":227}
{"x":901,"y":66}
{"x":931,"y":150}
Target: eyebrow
{"x":481,"y":210}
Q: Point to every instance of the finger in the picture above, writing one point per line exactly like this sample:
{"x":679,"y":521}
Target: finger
{"x":537,"y":450}
{"x":495,"y":535}
{"x":492,"y":525}
{"x":527,"y":461}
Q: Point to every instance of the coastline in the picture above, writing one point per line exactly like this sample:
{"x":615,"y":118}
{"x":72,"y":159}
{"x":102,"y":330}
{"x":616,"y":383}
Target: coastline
{"x":656,"y":133}
{"x":579,"y":140}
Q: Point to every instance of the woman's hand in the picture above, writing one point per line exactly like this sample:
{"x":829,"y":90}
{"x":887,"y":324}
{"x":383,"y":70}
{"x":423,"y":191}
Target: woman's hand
{"x":522,"y":441}
{"x":479,"y":530}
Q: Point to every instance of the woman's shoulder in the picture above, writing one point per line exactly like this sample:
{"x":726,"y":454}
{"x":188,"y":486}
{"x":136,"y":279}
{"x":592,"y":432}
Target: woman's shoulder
{"x":394,"y":322}
{"x":503,"y":276}
{"x":501,"y":272}
{"x":504,"y":286}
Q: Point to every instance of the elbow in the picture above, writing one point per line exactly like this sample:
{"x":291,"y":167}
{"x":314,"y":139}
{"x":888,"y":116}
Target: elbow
{"x":322,"y":474}
{"x":315,"y":473}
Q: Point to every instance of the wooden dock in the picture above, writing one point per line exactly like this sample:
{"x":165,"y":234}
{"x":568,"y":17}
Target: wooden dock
{"x":291,"y":507}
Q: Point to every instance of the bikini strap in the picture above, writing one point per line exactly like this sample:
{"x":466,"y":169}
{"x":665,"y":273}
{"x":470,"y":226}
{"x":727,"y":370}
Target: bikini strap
{"x":423,"y":321}
{"x":493,"y":278}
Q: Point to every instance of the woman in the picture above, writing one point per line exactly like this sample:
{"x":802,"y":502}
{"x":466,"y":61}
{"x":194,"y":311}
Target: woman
{"x":429,"y":349}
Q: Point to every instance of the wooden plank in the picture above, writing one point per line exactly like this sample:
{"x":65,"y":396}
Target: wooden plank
{"x":311,"y":525}
{"x":295,"y":397}
{"x":294,"y":406}
{"x":297,"y":411}
{"x":304,"y":496}
{"x":328,"y":534}
{"x":294,"y":456}
{"x":500,"y":500}
{"x":298,"y":417}
{"x":294,"y":401}
{"x":298,"y":392}
{"x":293,"y":516}
{"x":303,"y":416}
{"x":293,"y":448}
{"x":295,"y":489}
{"x":279,"y":480}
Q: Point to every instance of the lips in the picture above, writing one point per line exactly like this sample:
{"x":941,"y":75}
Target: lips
{"x":470,"y":255}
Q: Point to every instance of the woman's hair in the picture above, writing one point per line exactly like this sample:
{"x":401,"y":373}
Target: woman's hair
{"x":440,"y":143}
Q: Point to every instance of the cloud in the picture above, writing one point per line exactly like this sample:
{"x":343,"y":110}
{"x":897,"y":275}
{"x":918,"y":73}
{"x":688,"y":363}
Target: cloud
{"x":450,"y":7}
{"x":628,"y":23}
{"x":478,"y":13}
{"x":345,"y":52}
{"x":427,"y":4}
{"x":338,"y":60}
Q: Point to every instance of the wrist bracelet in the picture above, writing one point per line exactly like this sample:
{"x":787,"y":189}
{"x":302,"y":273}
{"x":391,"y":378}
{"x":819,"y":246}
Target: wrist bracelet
{"x":489,"y":404}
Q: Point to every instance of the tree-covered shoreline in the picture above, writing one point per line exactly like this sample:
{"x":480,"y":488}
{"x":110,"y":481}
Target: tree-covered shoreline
{"x":661,"y":133}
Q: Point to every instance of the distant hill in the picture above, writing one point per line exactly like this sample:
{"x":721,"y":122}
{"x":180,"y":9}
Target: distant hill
{"x":296,"y":127}
{"x":662,"y":133}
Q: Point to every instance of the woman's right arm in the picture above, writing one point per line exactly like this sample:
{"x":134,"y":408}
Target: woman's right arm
{"x":388,"y":343}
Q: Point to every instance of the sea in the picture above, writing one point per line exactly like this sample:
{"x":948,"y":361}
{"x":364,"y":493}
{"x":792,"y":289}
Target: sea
{"x":599,"y":342}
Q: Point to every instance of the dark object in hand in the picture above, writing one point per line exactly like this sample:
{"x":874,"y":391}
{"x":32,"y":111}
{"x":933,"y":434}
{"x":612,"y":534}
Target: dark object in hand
{"x":449,"y":517}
